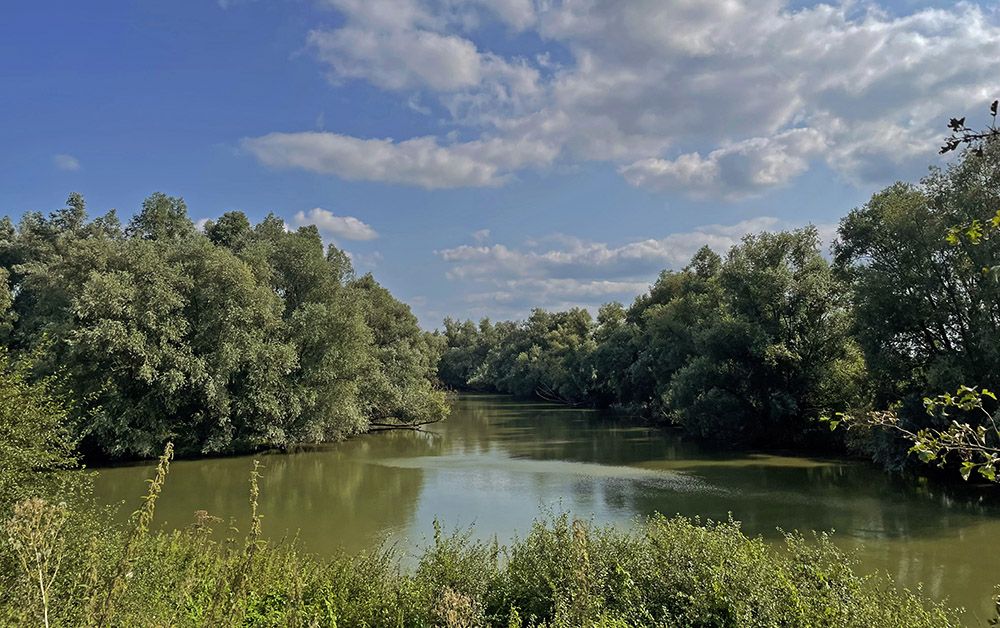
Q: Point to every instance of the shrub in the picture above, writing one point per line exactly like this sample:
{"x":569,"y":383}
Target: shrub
{"x":661,"y":572}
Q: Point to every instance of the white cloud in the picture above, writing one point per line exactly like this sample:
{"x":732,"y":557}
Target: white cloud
{"x":413,"y":102}
{"x":366,"y":261}
{"x":400,"y":59}
{"x":385,"y":14}
{"x":408,"y":45}
{"x":515,"y":298}
{"x":734,"y":171}
{"x":69,"y":163}
{"x":720,"y":98}
{"x":578,"y":259}
{"x":518,"y":14}
{"x":481,"y":235}
{"x":229,"y":4}
{"x":335,"y":227}
{"x":420,"y":161}
{"x":732,"y":78}
{"x":561,"y":271}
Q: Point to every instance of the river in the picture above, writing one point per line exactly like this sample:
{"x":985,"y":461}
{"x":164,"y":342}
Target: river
{"x":496,"y":464}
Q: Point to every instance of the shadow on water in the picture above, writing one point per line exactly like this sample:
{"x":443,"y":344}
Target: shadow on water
{"x":497,"y":463}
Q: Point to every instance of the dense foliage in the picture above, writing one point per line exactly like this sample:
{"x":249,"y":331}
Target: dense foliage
{"x":746,"y":349}
{"x":62,"y":564}
{"x":37,"y":451}
{"x":232,"y":339}
{"x":964,"y":428}
{"x":753,"y":347}
{"x":927,"y":304}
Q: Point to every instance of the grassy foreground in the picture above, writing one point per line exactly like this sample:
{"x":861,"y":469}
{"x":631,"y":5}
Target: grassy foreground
{"x":59,"y":567}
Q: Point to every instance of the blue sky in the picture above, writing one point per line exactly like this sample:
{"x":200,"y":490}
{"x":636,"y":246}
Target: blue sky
{"x":483,"y":157}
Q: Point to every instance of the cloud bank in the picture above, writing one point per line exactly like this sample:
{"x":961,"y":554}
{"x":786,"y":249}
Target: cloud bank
{"x":716,"y":99}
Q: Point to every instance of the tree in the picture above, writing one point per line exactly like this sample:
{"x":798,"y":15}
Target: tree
{"x":37,"y":449}
{"x":926,"y":310}
{"x":965,"y":314}
{"x":616,"y":347}
{"x":231,"y":230}
{"x":547,"y":355}
{"x":669,"y":318}
{"x":234,"y":340}
{"x":400,"y":390}
{"x":162,"y":217}
{"x":975,"y":447}
{"x":778,"y":351}
{"x":975,"y":140}
{"x":466,"y":347}
{"x":460,"y":357}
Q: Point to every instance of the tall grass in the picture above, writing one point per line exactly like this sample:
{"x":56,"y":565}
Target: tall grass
{"x":142,"y":518}
{"x":563,"y":573}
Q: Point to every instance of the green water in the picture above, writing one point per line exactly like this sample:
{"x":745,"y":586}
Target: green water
{"x":496,"y":463}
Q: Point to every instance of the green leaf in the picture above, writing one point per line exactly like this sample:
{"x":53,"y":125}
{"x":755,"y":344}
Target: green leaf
{"x":925,"y":455}
{"x":988,"y":472}
{"x":966,"y":469}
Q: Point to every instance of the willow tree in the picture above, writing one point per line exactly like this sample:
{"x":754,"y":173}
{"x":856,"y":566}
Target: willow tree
{"x":241,"y":337}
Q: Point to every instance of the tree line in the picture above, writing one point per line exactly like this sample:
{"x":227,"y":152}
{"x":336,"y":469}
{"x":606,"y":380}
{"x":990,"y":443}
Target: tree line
{"x":751,"y":347}
{"x":228,"y":339}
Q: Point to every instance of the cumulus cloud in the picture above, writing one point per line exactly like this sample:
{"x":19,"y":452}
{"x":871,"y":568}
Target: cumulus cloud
{"x":335,"y":227}
{"x":386,"y":14}
{"x":400,"y":59}
{"x":513,"y":300}
{"x":420,"y":161}
{"x":723,"y":98}
{"x":482,"y":235}
{"x":742,"y":169}
{"x":69,"y":163}
{"x":518,"y":14}
{"x":407,"y":45}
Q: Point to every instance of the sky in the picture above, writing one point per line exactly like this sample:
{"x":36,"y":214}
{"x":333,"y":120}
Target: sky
{"x":483,"y":157}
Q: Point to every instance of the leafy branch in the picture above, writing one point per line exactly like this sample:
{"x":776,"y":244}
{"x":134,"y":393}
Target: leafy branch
{"x":975,"y":232}
{"x":978,"y":447}
{"x":963,"y":135}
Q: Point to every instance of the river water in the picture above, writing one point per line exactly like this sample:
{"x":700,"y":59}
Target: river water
{"x":497,"y":464}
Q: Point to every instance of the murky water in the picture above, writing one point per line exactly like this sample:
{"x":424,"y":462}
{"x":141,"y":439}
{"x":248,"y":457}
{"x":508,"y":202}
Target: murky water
{"x":496,"y":464}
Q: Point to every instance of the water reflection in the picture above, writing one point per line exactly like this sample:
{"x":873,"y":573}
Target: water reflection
{"x":496,"y":462}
